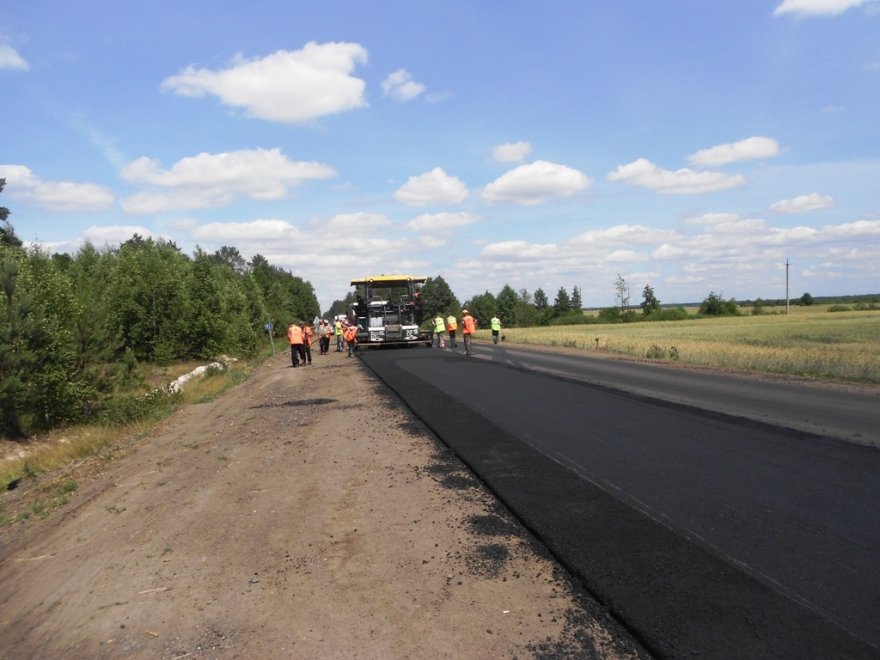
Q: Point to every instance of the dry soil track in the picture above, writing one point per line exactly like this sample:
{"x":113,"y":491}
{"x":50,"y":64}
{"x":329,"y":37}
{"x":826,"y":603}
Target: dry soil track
{"x":305,"y":513}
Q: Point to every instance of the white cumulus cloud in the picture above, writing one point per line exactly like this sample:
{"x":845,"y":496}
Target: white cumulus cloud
{"x":726,"y":250}
{"x":399,"y":85}
{"x":348,"y":222}
{"x":803,"y":203}
{"x":816,"y":7}
{"x":215,"y":179}
{"x":521,"y":251}
{"x":287,"y":86}
{"x":748,"y":149}
{"x":269,"y":230}
{"x":10,"y":59}
{"x":645,"y":174}
{"x":532,"y":184}
{"x":622,"y":234}
{"x":440,"y":222}
{"x":60,"y":196}
{"x":512,"y":152}
{"x":434,"y":187}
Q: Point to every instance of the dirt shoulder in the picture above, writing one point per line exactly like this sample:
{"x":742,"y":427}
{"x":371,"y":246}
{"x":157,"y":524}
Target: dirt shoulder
{"x":305,"y":513}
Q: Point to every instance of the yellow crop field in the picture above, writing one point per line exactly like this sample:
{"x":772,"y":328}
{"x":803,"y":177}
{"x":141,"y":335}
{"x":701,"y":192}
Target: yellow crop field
{"x":810,"y":341}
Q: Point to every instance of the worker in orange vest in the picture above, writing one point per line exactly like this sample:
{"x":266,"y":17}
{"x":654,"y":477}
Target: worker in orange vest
{"x":452,"y":328}
{"x":308,"y":339}
{"x":469,"y":327}
{"x":324,"y":332}
{"x":350,"y":334}
{"x":297,"y":350}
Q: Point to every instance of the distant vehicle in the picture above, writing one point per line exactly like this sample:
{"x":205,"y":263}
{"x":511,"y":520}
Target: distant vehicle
{"x":389,"y":310}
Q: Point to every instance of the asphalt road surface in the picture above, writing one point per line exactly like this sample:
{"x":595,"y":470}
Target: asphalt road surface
{"x":705,"y":529}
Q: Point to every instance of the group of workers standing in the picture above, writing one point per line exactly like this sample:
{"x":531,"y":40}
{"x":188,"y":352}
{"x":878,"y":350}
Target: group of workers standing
{"x":469,"y":326}
{"x":301,"y":336}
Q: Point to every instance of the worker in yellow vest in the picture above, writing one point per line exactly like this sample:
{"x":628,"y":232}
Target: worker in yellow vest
{"x":452,"y":328}
{"x":338,"y":330}
{"x":495,"y":324}
{"x":439,"y":329}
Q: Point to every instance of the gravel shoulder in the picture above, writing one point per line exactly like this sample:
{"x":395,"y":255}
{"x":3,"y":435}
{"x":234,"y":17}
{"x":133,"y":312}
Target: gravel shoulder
{"x":305,"y":513}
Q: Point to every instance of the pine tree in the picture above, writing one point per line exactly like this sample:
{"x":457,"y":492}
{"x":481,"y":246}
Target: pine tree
{"x":577,"y":304}
{"x":562,"y":304}
{"x":541,"y":301}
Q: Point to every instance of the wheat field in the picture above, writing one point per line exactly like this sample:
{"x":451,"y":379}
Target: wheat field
{"x":810,"y":342}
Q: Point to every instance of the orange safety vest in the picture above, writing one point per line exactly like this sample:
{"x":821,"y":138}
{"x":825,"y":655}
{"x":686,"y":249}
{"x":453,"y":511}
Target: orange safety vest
{"x":295,"y":334}
{"x":351,"y":333}
{"x":451,"y":324}
{"x":309,"y":334}
{"x":469,"y":325}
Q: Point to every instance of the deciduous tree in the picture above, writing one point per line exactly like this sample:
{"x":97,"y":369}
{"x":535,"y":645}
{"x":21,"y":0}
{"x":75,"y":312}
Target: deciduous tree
{"x":507,"y":306}
{"x":649,"y":303}
{"x":482,"y":307}
{"x":438,"y":298}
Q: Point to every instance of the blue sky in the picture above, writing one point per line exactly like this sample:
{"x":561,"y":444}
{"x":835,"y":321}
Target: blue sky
{"x":690,"y":145}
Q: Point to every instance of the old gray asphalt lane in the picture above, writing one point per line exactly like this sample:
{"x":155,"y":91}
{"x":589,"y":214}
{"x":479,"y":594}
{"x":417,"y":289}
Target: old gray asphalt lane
{"x":850,"y":413}
{"x":703,"y":533}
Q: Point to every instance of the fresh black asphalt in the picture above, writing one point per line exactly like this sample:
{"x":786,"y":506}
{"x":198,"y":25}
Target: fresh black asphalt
{"x":705,"y":535}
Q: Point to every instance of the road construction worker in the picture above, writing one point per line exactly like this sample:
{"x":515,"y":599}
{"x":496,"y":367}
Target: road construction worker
{"x":297,"y":350}
{"x":308,"y":338}
{"x":338,"y":331}
{"x":439,"y":329}
{"x":324,"y":334}
{"x":495,"y":324}
{"x":452,"y":328}
{"x":351,"y":333}
{"x":469,"y":326}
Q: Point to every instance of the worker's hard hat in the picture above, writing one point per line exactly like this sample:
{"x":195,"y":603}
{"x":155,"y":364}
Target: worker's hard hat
{"x":464,"y":311}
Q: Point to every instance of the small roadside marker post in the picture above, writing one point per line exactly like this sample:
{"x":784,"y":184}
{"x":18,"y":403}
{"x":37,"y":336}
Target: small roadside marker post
{"x":268,"y":326}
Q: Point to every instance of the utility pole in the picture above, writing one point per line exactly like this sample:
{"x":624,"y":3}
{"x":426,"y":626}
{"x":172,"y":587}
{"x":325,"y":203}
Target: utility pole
{"x":786,"y":287}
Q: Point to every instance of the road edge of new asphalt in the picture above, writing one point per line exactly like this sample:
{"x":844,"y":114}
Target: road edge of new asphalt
{"x":674,"y":596}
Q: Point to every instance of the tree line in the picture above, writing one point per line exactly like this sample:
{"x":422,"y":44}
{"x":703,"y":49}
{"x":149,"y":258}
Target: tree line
{"x":525,"y":309}
{"x":73,"y":328}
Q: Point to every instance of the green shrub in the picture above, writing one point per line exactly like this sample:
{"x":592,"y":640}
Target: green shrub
{"x":130,"y":408}
{"x":715,"y":305}
{"x":672,"y":314}
{"x":610,"y":315}
{"x":656,"y":352}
